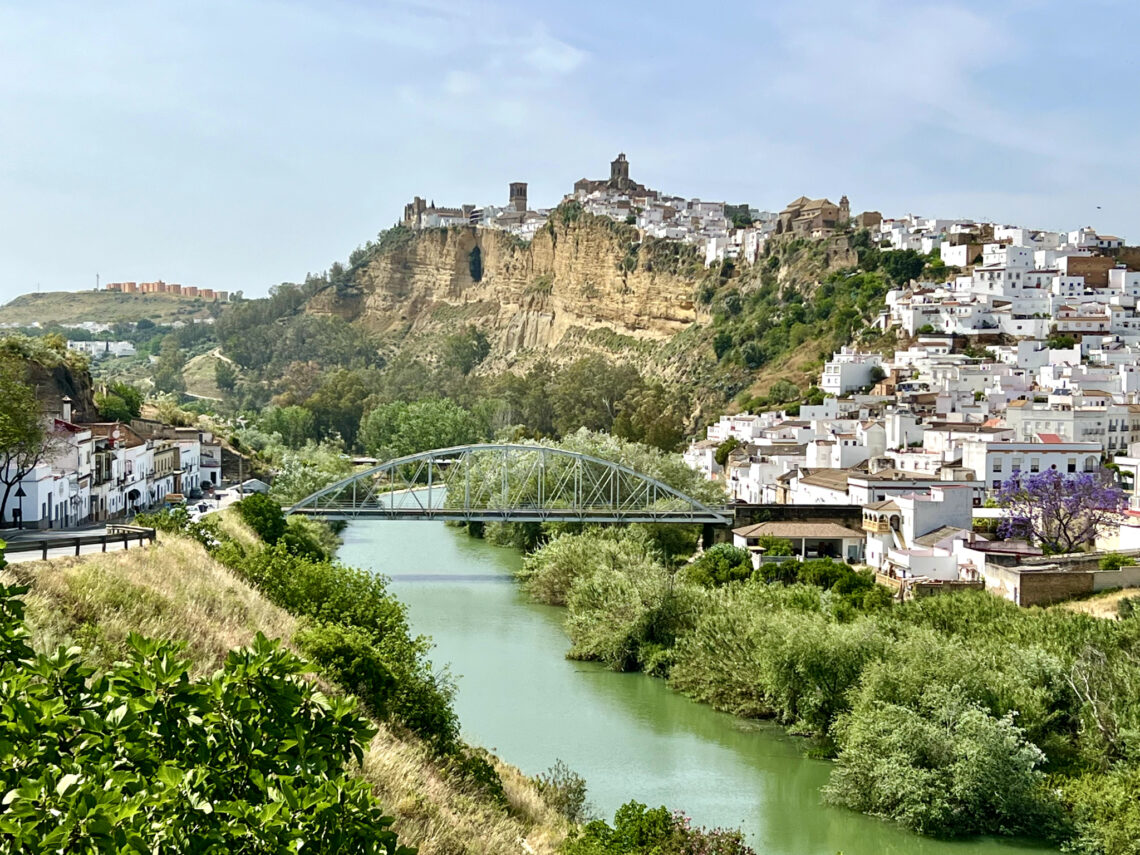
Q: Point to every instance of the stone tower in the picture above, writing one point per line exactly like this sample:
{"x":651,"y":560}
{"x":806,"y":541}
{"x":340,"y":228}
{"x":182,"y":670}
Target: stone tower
{"x":518,"y":195}
{"x":619,"y":171}
{"x":844,"y":210}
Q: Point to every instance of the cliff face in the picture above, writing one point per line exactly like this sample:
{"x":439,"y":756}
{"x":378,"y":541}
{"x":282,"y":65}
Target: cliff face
{"x":52,"y":383}
{"x":578,"y":274}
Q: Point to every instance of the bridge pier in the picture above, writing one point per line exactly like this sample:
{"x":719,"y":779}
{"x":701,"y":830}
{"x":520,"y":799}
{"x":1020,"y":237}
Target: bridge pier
{"x":712,"y":534}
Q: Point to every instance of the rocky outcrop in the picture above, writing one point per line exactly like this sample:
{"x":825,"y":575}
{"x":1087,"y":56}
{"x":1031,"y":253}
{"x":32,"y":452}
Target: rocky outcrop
{"x":579,"y":273}
{"x":54,"y":382}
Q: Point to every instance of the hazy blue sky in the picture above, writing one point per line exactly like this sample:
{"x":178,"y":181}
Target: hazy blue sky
{"x":239,"y":144}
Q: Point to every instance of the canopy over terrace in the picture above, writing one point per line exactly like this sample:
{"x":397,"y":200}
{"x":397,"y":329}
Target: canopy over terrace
{"x":808,"y":539}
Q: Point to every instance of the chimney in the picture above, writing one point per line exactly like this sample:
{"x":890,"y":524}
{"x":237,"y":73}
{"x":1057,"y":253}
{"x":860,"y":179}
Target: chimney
{"x":66,"y":411}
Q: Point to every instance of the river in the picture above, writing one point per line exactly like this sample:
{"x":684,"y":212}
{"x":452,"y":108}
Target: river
{"x":627,"y":734}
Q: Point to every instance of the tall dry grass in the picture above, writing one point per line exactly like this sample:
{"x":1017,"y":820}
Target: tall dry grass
{"x":175,"y":590}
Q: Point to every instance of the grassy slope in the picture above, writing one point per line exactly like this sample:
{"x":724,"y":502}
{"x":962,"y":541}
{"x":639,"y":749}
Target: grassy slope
{"x":175,"y":590}
{"x":71,"y":307}
{"x":199,"y":376}
{"x":1103,"y":605}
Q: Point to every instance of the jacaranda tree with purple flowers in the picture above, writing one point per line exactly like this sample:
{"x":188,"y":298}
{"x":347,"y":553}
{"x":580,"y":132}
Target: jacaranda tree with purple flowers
{"x":1060,"y":512}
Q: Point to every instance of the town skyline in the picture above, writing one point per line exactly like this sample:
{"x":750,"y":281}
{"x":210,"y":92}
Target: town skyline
{"x":191,"y":142}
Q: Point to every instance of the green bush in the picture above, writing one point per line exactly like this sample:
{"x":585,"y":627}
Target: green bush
{"x":263,"y":515}
{"x":548,"y":574}
{"x":1105,"y":807}
{"x":143,"y":758}
{"x":309,"y":538}
{"x":565,"y":791}
{"x":1114,"y":561}
{"x":177,"y":520}
{"x":471,"y":766}
{"x":776,"y":545}
{"x":725,"y":449}
{"x":359,"y":632}
{"x":720,"y":564}
{"x":948,"y":768}
{"x":638,"y":830}
{"x":628,"y":620}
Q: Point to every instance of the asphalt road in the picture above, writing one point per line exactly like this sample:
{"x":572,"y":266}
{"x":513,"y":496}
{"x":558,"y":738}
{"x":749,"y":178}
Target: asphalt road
{"x":66,"y":541}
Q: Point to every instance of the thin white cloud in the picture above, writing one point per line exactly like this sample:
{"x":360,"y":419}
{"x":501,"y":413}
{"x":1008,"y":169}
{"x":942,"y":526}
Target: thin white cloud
{"x":460,"y":82}
{"x":877,"y":63}
{"x":549,"y":55}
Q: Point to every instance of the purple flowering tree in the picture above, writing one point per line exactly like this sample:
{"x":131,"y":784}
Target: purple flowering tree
{"x":1058,"y":511}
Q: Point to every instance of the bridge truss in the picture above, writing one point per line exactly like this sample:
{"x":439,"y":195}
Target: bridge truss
{"x":506,"y":483}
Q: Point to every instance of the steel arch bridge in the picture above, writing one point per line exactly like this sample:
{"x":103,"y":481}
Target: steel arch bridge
{"x":506,"y":483}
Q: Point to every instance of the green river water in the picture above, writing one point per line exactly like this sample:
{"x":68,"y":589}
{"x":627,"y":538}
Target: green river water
{"x":627,"y":734}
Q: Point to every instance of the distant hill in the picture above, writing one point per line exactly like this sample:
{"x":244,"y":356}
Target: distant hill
{"x":105,"y":307}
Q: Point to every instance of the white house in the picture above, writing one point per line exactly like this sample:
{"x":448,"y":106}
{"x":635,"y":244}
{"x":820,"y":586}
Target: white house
{"x":994,"y":462}
{"x":849,"y":370}
{"x":913,"y":535}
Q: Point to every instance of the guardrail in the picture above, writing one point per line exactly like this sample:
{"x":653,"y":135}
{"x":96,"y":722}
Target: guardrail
{"x":116,"y":534}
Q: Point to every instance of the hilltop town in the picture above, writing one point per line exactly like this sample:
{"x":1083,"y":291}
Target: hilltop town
{"x":1021,"y":360}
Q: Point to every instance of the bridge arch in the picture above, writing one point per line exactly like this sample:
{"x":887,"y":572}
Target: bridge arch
{"x":506,"y":482}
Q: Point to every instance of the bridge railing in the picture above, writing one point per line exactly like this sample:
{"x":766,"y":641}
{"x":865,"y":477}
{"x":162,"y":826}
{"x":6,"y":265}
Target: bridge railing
{"x":116,"y":535}
{"x":509,"y":481}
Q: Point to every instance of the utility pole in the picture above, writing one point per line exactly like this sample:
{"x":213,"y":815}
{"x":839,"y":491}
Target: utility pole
{"x":96,"y":281}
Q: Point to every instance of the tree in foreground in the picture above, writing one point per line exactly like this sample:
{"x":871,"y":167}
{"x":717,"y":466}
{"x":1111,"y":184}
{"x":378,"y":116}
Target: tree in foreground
{"x":24,"y":438}
{"x":1061,"y":512}
{"x":144,"y":758}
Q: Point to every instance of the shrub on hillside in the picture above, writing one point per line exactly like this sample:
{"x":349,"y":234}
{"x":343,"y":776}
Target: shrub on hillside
{"x":263,"y":515}
{"x":565,"y":791}
{"x":143,"y":758}
{"x":309,"y":538}
{"x":355,"y":630}
{"x":360,"y":634}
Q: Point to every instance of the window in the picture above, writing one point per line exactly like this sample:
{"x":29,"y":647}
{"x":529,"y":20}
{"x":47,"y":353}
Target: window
{"x":997,"y":483}
{"x":1072,"y":464}
{"x":1035,"y":464}
{"x":1017,"y":464}
{"x":997,"y":464}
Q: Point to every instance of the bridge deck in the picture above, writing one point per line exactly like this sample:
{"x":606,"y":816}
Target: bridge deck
{"x":507,"y":483}
{"x":349,"y":513}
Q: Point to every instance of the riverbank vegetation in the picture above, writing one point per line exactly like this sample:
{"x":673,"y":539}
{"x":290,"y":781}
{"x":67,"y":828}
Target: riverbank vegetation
{"x":179,"y":591}
{"x":954,"y":715}
{"x":638,"y":830}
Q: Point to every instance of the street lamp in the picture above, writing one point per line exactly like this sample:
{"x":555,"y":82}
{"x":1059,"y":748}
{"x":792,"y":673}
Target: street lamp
{"x":20,"y":495}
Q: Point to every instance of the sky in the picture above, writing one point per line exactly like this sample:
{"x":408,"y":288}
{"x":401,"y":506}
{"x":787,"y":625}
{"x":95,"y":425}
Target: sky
{"x":236,"y":144}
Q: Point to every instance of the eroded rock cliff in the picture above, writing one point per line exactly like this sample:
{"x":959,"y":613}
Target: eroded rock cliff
{"x":580,"y":273}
